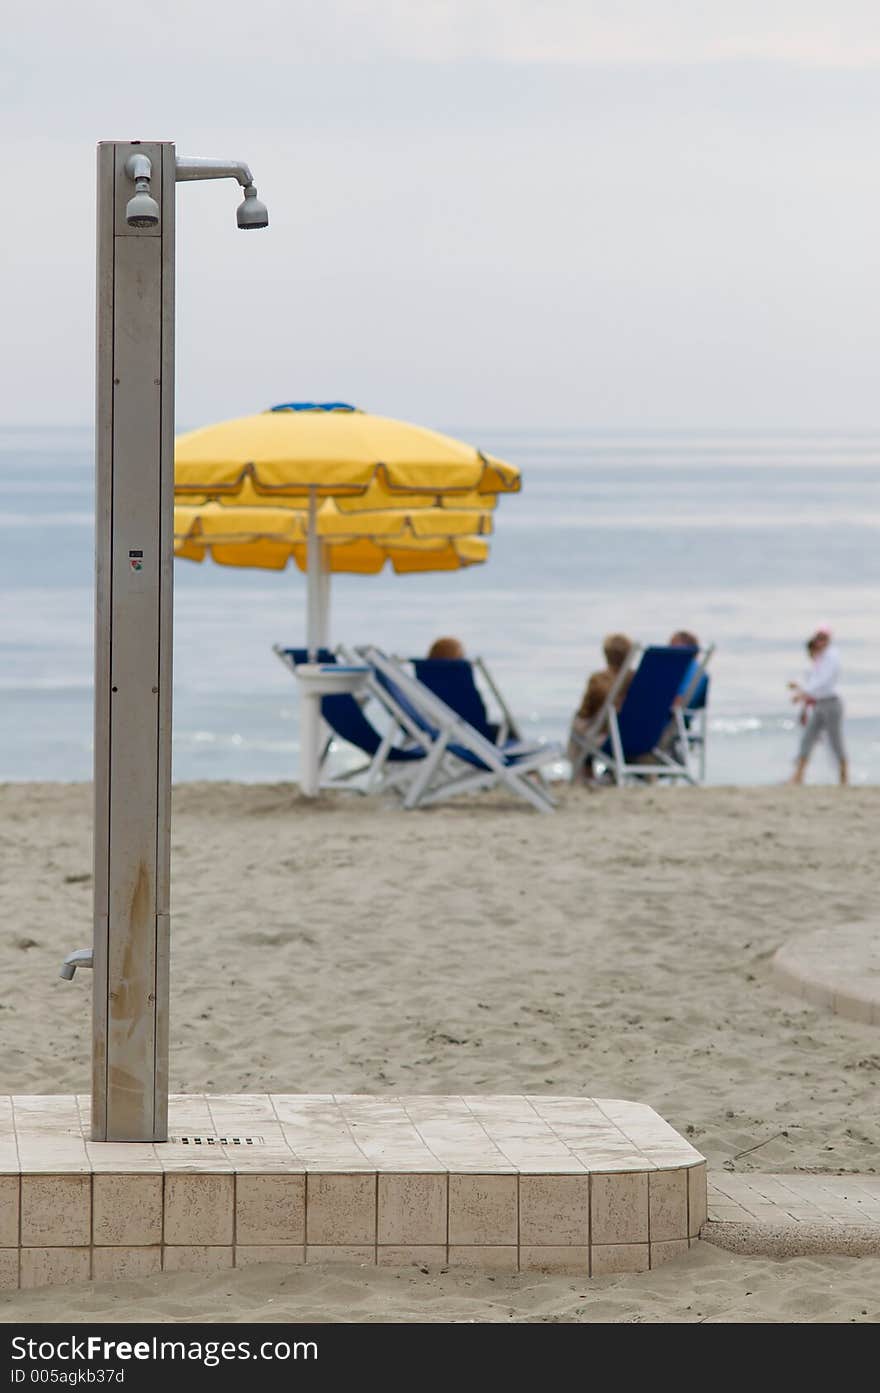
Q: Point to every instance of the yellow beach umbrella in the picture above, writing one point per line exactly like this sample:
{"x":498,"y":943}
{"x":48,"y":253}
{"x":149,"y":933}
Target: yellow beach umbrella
{"x":332,"y":450}
{"x":331,"y":456}
{"x":431,"y":539}
{"x":374,"y":499}
{"x":359,"y":556}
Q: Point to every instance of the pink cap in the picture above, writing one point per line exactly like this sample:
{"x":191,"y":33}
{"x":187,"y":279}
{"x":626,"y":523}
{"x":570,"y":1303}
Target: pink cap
{"x":824,"y":630}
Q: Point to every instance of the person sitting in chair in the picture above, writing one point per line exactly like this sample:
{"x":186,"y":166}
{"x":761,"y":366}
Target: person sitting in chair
{"x":616,"y":648}
{"x":683,"y":638}
{"x":450,"y":677}
{"x":451,"y":648}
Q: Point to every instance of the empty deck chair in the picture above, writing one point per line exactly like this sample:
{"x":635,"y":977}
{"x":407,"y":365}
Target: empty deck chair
{"x":628,"y":741}
{"x":453,"y":680}
{"x":387,"y":756}
{"x":460,"y":759}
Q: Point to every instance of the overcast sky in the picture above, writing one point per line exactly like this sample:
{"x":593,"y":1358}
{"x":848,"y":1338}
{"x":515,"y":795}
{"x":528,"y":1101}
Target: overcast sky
{"x":483,"y":212}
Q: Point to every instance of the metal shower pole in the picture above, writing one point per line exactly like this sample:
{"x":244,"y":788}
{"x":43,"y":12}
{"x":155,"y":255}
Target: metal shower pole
{"x":133,"y":627}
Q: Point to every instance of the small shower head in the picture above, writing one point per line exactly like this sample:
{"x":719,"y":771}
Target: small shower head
{"x":251,"y":212}
{"x":141,"y":210}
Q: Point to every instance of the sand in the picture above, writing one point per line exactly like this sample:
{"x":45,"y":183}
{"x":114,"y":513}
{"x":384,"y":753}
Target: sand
{"x":619,"y":948}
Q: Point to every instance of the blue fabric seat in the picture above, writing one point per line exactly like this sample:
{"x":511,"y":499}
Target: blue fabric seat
{"x":345,"y":715}
{"x":416,"y":718}
{"x":452,"y":680}
{"x":647,"y":706}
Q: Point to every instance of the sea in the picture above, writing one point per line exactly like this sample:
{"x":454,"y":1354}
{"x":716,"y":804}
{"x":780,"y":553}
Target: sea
{"x":750,"y":539}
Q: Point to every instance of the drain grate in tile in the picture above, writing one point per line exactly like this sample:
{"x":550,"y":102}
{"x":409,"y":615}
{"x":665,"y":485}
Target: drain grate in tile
{"x":206,"y":1140}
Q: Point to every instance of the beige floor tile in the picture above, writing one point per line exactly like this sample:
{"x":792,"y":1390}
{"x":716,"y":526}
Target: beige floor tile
{"x":249,"y":1255}
{"x":117,"y":1158}
{"x":339,"y":1155}
{"x":51,"y":1154}
{"x":56,"y":1211}
{"x":412,"y":1209}
{"x":668,"y":1205}
{"x":619,"y":1209}
{"x":270,"y":1209}
{"x":613,"y":1162}
{"x":554,"y":1210}
{"x":668,"y":1251}
{"x":240,"y":1112}
{"x":483,"y":1210}
{"x":9,"y":1160}
{"x":9,"y":1258}
{"x":199,"y":1210}
{"x":189,"y":1112}
{"x":565,"y":1260}
{"x":485,"y":1258}
{"x":728,"y":1214}
{"x":697,"y":1205}
{"x":9,"y":1200}
{"x":49,"y":1267}
{"x":110,"y":1263}
{"x":194,"y":1160}
{"x":196,"y":1257}
{"x":341,"y":1252}
{"x":55,"y":1111}
{"x":423,"y":1255}
{"x":341,"y":1209}
{"x":127,"y":1210}
{"x":619,"y":1257}
{"x":266,"y":1160}
{"x":765,"y":1213}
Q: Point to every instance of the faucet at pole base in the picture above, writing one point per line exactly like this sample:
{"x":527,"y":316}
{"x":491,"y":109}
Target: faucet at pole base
{"x":83,"y":957}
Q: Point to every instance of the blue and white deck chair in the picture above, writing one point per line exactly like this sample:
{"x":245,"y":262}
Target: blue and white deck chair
{"x":453,"y":680}
{"x":460,"y":759}
{"x":695,"y":707}
{"x":622,"y":740}
{"x":346,"y":720}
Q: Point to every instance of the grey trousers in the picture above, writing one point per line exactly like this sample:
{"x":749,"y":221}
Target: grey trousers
{"x":826,"y":715}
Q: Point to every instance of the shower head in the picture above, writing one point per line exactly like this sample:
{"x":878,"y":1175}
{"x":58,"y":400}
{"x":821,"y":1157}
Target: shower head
{"x":251,"y":212}
{"x":141,"y":210}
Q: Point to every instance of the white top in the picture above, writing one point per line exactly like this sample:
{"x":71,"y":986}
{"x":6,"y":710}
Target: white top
{"x":825,"y":675}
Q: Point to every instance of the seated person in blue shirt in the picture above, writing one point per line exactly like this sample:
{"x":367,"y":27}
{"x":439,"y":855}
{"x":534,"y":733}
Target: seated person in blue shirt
{"x":683,"y":638}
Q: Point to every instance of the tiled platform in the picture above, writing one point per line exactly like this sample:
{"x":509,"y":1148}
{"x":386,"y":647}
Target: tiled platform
{"x":837,"y":967}
{"x":795,"y":1215}
{"x":569,"y":1185}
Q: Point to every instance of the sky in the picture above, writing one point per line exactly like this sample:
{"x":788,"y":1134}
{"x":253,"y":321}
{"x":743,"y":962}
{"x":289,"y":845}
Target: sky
{"x":519,"y":213}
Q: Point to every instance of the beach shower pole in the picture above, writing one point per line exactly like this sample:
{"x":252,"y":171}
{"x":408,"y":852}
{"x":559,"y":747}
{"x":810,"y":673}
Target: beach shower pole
{"x":133,"y":626}
{"x":134,"y":452}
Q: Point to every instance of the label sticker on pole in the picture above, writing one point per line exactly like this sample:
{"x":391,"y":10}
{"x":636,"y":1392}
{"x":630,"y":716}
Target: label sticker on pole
{"x":136,"y":560}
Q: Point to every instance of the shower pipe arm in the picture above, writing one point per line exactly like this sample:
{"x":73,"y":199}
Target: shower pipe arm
{"x":197,"y":167}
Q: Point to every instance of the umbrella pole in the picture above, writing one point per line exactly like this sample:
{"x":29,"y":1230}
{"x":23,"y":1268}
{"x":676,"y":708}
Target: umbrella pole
{"x":314,"y":571}
{"x":324,"y":617}
{"x":309,"y":698}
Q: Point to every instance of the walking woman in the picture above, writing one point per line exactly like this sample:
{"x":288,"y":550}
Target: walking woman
{"x":822,"y":705}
